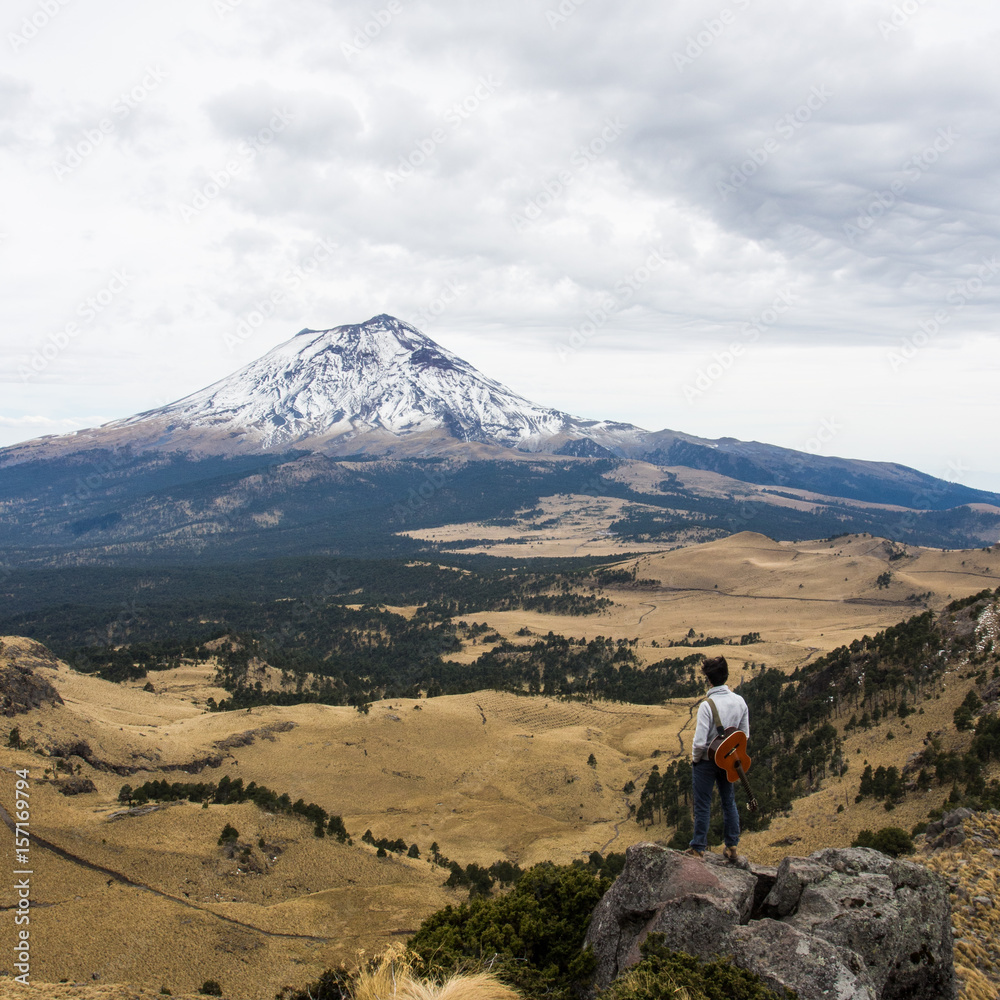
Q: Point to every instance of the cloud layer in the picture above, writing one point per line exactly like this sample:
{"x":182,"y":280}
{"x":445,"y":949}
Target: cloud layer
{"x":742,"y":218}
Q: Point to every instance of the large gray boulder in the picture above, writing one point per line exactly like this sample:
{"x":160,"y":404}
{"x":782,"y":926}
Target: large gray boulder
{"x":895,"y":914}
{"x":794,"y":874}
{"x":694,"y":902}
{"x":842,"y":924}
{"x":785,"y":957}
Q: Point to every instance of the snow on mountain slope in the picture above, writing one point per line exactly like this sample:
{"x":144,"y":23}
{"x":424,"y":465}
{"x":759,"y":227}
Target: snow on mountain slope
{"x":382,"y":375}
{"x":384,"y":389}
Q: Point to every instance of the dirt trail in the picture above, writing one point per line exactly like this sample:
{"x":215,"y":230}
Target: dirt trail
{"x":604,"y":847}
{"x":874,"y":602}
{"x":680,"y":739}
{"x":37,"y":841}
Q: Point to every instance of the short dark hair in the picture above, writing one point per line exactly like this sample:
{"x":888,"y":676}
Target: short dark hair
{"x":716,"y":670}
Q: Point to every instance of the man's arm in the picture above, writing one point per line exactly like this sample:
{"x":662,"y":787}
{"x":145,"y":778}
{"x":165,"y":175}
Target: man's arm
{"x":701,"y":738}
{"x":745,"y":720}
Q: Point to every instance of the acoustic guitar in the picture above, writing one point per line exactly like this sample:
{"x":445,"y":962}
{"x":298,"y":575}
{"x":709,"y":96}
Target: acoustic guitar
{"x":729,"y":751}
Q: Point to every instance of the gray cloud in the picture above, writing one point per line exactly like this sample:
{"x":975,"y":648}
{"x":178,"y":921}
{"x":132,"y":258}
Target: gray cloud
{"x":532,"y":155}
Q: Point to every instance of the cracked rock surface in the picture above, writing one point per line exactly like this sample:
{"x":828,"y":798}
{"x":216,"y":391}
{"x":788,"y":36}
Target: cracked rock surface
{"x":850,"y":924}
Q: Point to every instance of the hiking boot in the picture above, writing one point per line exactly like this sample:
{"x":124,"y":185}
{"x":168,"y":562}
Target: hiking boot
{"x":693,"y":852}
{"x":730,"y":853}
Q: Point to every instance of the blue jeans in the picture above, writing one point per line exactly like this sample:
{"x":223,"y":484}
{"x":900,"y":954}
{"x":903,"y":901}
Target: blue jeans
{"x":705,"y":776}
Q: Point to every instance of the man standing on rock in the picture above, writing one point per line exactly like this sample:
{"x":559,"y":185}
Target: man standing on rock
{"x":705,"y":774}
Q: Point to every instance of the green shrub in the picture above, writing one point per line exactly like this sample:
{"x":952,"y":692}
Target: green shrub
{"x":210,"y":988}
{"x":334,"y":984}
{"x":532,"y":936}
{"x":889,"y":840}
{"x":962,"y":717}
{"x":229,"y":834}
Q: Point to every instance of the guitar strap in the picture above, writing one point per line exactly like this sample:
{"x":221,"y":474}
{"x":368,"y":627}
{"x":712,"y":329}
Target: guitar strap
{"x":715,"y":717}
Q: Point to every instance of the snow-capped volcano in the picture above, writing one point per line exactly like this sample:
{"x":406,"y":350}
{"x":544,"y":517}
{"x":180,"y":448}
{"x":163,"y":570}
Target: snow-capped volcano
{"x":384,"y":390}
{"x":383,"y":375}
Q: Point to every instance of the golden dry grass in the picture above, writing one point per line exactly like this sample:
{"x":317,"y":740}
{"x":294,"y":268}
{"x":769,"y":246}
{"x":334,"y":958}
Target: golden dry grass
{"x":391,"y":977}
{"x":10,"y":990}
{"x":582,"y":528}
{"x":974,"y":870}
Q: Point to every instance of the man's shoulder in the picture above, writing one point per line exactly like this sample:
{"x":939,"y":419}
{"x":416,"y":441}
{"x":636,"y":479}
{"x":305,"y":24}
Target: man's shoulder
{"x":732,"y":696}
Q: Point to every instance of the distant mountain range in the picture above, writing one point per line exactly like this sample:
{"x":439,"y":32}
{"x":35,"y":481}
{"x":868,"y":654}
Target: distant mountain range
{"x":362,"y":410}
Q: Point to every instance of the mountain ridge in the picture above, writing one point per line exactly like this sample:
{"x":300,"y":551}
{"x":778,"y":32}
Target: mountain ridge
{"x":384,"y":388}
{"x":265,"y":461}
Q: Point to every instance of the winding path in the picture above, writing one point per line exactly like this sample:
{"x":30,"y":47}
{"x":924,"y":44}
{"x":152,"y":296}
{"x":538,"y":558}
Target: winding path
{"x":37,"y":841}
{"x":680,"y":739}
{"x":603,"y":848}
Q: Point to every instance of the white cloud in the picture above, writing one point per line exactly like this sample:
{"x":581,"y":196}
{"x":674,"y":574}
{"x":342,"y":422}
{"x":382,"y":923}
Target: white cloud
{"x":796,"y":147}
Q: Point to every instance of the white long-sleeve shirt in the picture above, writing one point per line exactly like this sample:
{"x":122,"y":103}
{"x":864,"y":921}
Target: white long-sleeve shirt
{"x":732,"y":712}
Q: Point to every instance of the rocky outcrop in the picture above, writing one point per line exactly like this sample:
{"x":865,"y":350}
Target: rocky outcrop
{"x":247,"y":737}
{"x":150,"y":762}
{"x":947,"y":831}
{"x":786,"y":958}
{"x":76,"y":786}
{"x":851,"y":924}
{"x":972,"y":870}
{"x":693,"y":902}
{"x":21,"y":690}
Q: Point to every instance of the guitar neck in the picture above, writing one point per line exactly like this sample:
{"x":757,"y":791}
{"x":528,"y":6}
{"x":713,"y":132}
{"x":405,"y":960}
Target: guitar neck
{"x":752,"y":799}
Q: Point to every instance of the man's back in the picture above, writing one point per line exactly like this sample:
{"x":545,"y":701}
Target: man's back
{"x":733,"y":713}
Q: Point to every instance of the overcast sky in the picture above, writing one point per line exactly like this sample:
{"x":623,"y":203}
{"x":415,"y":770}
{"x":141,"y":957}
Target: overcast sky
{"x":771,"y":221}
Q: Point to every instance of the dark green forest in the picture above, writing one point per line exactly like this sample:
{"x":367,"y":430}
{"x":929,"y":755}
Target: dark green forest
{"x":124,"y":509}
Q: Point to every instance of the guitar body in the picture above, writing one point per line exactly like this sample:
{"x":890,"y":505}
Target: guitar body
{"x":729,"y":752}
